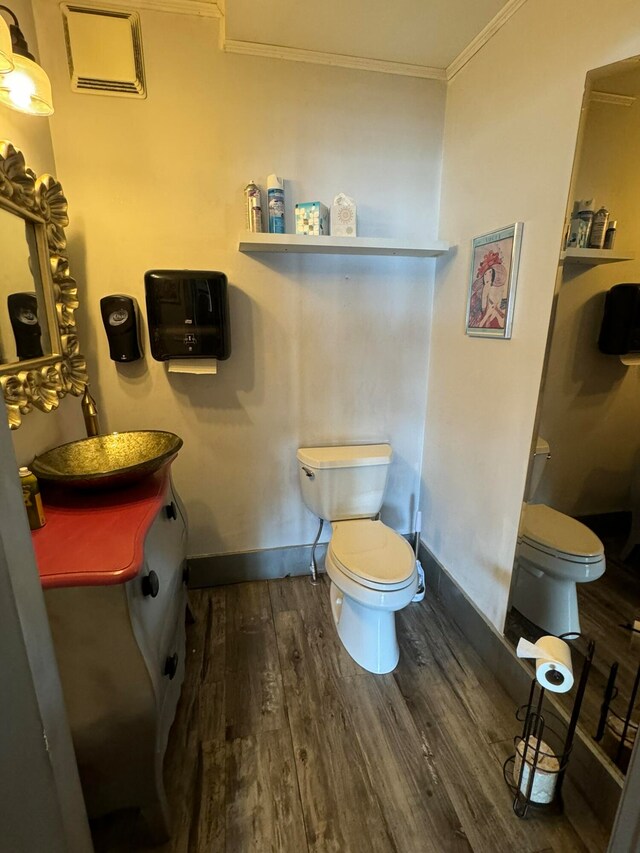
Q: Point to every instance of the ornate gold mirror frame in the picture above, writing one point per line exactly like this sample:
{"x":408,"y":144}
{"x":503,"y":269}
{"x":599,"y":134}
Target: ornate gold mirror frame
{"x":42,"y":382}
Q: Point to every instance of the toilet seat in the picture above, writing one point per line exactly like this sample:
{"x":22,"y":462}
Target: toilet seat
{"x":560,"y":536}
{"x":372,"y":554}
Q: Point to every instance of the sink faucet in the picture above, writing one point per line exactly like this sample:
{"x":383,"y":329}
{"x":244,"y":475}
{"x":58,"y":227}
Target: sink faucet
{"x":90,"y":413}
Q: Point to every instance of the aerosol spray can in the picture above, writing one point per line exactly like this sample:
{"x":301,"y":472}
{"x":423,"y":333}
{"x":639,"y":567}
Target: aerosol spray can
{"x":599,"y":228}
{"x":275,"y":197}
{"x":610,"y":236}
{"x":253,"y":201}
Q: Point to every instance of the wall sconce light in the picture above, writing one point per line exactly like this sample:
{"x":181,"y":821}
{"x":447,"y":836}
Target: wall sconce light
{"x":25,"y":87}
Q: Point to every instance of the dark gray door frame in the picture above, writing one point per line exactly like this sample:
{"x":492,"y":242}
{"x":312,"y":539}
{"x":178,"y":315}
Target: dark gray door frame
{"x":625,"y":836}
{"x":40,"y":795}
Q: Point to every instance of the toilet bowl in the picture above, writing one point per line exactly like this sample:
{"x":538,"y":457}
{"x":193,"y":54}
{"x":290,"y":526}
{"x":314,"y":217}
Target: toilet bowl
{"x":372,"y":568}
{"x":373,"y":574}
{"x":554,"y":553}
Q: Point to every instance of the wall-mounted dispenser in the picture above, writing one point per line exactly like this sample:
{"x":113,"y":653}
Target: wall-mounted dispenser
{"x":121,"y":319}
{"x":620,"y":330}
{"x":188,"y":316}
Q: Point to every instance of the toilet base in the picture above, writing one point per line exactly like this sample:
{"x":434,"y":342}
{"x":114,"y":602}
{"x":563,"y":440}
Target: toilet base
{"x":548,"y":602}
{"x":369,"y":635}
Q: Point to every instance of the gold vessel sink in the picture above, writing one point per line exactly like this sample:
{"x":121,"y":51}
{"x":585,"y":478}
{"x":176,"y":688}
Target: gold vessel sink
{"x":104,"y":461}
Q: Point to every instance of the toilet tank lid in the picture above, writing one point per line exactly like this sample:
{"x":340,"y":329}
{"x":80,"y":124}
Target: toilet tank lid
{"x":345,"y":456}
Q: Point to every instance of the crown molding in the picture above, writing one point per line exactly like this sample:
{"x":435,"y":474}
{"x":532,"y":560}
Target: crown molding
{"x":495,"y":24}
{"x":199,"y":8}
{"x":275,"y":51}
{"x":206,"y":9}
{"x":612,"y":98}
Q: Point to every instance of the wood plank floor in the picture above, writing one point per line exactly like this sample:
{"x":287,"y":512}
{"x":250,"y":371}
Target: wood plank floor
{"x":282,"y":743}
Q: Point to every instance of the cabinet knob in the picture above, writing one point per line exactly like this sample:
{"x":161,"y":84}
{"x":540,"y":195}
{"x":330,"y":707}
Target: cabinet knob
{"x":171,"y":665}
{"x":150,"y":584}
{"x":171,"y":510}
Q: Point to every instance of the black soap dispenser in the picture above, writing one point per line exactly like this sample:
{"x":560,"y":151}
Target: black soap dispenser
{"x":121,"y":319}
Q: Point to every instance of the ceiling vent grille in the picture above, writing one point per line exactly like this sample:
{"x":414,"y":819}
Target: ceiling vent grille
{"x":104,"y":51}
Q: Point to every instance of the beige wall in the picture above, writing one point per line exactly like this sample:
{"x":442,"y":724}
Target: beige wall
{"x":323,"y":349}
{"x":510,"y":132}
{"x":33,"y":137}
{"x":591,"y":402}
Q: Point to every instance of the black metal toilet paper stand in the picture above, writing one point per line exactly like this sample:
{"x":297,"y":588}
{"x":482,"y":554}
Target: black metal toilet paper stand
{"x":546,"y":739}
{"x":620,"y":723}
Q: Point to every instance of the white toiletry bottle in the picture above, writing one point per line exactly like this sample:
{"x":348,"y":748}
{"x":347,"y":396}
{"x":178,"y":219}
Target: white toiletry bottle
{"x":586,"y":214}
{"x":275,"y":202}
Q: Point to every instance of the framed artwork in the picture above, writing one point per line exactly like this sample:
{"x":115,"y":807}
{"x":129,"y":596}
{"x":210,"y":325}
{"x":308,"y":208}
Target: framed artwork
{"x":492,"y":289}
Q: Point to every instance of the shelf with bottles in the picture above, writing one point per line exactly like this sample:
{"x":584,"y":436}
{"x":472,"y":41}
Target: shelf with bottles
{"x":299,"y":243}
{"x":592,"y":257}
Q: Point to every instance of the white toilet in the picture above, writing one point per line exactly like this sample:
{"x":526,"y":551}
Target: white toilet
{"x":554,"y":553}
{"x":372,"y":568}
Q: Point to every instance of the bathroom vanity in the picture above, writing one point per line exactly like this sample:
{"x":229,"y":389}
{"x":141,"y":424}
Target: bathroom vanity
{"x":112,"y":564}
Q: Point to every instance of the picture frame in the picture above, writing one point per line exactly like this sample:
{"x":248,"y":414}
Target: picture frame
{"x":495,"y":258}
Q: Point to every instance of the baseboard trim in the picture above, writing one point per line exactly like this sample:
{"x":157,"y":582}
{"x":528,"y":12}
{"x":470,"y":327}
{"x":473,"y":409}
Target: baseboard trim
{"x":261,"y":565}
{"x":597,"y":780}
{"x":266,"y":564}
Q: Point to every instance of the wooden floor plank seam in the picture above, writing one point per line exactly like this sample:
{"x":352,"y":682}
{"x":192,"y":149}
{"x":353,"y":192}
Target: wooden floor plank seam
{"x":295,"y":766}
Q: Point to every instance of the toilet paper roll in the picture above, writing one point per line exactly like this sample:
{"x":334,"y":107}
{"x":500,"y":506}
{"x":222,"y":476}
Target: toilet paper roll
{"x":553,"y":662}
{"x":545,"y":771}
{"x":199,"y":366}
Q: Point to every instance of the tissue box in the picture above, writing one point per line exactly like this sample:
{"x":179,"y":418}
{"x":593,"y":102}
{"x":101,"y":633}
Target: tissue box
{"x":312,"y":218}
{"x":343,"y":216}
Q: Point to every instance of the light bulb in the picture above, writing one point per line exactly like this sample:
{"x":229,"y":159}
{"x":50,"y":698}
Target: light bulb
{"x":21,"y":89}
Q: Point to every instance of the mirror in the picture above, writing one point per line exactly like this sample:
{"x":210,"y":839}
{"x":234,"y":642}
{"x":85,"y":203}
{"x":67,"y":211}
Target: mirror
{"x":24,"y":331}
{"x":40,"y":360}
{"x":578,"y":556}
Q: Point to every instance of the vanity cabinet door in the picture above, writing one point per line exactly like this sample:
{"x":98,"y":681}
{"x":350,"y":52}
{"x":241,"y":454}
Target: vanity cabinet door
{"x":111,"y":707}
{"x":157,"y":597}
{"x":176,"y":646}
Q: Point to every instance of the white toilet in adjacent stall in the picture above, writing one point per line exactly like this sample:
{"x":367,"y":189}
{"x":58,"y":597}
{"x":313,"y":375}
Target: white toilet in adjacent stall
{"x":554,"y":553}
{"x":372,"y":568}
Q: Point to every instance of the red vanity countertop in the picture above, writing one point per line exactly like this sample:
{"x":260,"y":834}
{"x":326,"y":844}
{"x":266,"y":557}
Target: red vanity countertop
{"x":96,"y":538}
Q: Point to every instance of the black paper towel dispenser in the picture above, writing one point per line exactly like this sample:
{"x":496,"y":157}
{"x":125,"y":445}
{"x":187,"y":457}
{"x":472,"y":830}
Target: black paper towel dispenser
{"x":620,"y":330}
{"x":188,"y":314}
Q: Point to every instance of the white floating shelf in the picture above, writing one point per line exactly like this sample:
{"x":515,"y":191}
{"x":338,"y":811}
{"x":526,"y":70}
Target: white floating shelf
{"x":298,"y":243}
{"x":591,"y":257}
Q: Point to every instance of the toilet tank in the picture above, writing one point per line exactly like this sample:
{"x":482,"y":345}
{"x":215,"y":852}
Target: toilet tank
{"x":540,"y":456}
{"x":344,"y":482}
